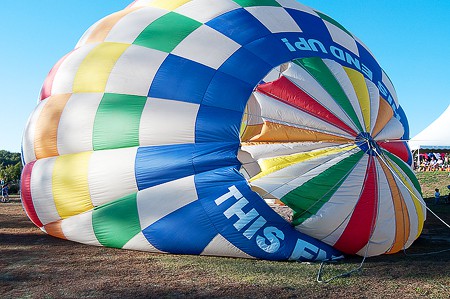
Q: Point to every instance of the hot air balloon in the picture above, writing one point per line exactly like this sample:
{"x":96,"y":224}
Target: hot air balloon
{"x":244,"y":128}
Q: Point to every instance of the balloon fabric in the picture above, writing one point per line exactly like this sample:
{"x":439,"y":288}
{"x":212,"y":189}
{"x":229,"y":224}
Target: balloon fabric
{"x":244,"y":128}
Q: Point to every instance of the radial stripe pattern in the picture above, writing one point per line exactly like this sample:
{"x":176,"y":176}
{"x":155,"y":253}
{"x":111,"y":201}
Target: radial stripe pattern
{"x":311,"y":183}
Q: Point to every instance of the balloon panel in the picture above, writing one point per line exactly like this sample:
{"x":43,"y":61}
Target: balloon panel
{"x":187,"y":126}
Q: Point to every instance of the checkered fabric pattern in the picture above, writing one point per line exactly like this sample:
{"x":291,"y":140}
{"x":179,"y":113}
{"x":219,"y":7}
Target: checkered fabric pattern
{"x":143,"y":119}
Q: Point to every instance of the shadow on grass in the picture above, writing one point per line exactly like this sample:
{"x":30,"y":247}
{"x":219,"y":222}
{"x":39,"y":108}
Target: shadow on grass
{"x":37,"y":265}
{"x":29,"y":239}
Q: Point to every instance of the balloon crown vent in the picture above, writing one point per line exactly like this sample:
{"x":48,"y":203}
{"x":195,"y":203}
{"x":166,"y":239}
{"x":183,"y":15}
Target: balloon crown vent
{"x":367,"y":144}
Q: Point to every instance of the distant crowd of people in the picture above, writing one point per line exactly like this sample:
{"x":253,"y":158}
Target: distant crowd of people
{"x":433,"y":162}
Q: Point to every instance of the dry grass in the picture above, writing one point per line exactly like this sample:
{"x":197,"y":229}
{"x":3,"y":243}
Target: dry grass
{"x":34,"y":265}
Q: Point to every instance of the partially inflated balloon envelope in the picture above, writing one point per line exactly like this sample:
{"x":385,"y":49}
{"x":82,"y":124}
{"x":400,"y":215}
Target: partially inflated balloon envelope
{"x":258,"y":129}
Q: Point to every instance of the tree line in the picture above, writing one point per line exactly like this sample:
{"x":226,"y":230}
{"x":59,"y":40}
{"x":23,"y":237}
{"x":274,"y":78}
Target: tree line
{"x":10,"y":169}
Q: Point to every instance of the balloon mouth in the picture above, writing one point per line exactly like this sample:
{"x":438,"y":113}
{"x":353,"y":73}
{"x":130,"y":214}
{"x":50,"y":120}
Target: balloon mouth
{"x":286,"y":124}
{"x":276,"y":124}
{"x":367,"y":144}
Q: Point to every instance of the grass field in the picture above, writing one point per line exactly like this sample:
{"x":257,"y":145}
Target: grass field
{"x":35,"y":265}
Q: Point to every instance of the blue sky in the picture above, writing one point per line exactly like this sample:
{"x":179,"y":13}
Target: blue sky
{"x":409,"y":39}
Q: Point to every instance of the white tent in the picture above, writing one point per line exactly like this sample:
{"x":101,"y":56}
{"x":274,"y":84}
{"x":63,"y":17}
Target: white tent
{"x":435,"y":137}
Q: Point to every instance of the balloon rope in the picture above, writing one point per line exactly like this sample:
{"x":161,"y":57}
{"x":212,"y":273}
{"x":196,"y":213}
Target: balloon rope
{"x":412,"y":193}
{"x":348,"y":273}
{"x":422,"y":203}
{"x":392,"y":140}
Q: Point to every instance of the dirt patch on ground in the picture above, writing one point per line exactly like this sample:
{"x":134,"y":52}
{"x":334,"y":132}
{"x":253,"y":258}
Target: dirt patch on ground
{"x":35,"y":265}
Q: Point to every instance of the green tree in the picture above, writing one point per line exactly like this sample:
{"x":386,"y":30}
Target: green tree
{"x":8,"y":158}
{"x":10,"y":166}
{"x":11,"y":173}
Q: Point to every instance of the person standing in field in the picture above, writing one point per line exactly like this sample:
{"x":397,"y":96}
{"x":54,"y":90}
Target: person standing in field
{"x":5,"y":193}
{"x":437,"y":196}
